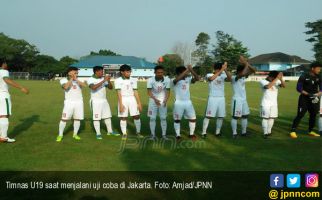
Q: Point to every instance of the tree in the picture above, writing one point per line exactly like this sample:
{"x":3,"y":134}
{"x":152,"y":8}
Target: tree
{"x":201,"y":54}
{"x":316,"y":38}
{"x":104,"y":52}
{"x":228,"y":49}
{"x":45,"y":63}
{"x":67,"y":61}
{"x":170,"y":62}
{"x":184,"y":51}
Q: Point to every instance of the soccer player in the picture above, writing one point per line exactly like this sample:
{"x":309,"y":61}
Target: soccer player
{"x":269,"y":110}
{"x":73,"y":103}
{"x":5,"y":101}
{"x":216,"y":99}
{"x":99,"y":105}
{"x":128,"y":100}
{"x":239,"y":104}
{"x":183,"y":104}
{"x":159,"y":92}
{"x":309,"y":87}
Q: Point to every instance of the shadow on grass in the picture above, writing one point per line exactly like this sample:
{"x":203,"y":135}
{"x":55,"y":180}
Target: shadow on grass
{"x":25,"y":124}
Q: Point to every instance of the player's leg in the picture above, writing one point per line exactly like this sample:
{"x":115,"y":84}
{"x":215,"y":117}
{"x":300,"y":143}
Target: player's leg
{"x":264,"y":114}
{"x":66,"y":115}
{"x":209,"y":113}
{"x":135,"y":113}
{"x":5,"y":112}
{"x":107,"y":116}
{"x":123,"y":117}
{"x":236,"y":110}
{"x":301,"y":110}
{"x":320,"y":118}
{"x":272,"y":117}
{"x":163,"y":111}
{"x":221,"y":114}
{"x":313,"y":110}
{"x":178,"y":110}
{"x":152,"y":114}
{"x":190,"y":114}
{"x":97,"y":116}
{"x":78,"y":116}
{"x":244,"y":120}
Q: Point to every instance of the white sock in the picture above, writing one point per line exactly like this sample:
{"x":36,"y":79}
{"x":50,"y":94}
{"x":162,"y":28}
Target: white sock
{"x":270,"y":125}
{"x":137,"y":123}
{"x":192,"y":127}
{"x":123,"y":126}
{"x":108,"y":123}
{"x":320,"y":123}
{"x":219,"y":125}
{"x":234,"y":126}
{"x":265,"y":126}
{"x":76,"y":126}
{"x":244,"y":125}
{"x":152,"y":126}
{"x":4,"y":125}
{"x":164,"y":126}
{"x":205,"y":126}
{"x":177,"y":128}
{"x":62,"y":126}
{"x":97,"y":126}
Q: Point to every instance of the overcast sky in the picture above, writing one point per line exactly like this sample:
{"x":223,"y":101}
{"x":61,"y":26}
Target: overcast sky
{"x":150,"y":28}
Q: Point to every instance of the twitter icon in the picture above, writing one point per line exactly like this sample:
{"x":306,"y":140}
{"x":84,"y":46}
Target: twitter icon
{"x":293,"y":180}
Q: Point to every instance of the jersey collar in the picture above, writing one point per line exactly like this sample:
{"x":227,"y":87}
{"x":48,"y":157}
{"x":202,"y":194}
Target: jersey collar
{"x":156,"y":79}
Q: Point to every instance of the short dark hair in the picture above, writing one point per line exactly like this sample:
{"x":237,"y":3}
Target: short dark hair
{"x":273,"y":74}
{"x":72,"y":69}
{"x":315,"y":64}
{"x":125,"y":68}
{"x":2,"y":60}
{"x":240,"y":68}
{"x":158,"y":67}
{"x":97,"y":68}
{"x":218,"y":65}
{"x":180,"y":69}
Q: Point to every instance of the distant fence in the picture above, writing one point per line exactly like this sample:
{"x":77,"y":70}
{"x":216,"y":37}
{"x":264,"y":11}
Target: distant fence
{"x":32,"y":76}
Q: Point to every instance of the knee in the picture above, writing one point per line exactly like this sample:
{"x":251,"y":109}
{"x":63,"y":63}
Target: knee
{"x":176,"y":121}
{"x":136,"y":117}
{"x":245,"y":116}
{"x":192,"y":120}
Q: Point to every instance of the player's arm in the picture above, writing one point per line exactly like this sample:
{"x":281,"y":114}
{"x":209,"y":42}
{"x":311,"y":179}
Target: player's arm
{"x":67,"y":85}
{"x":167,"y":95}
{"x":248,"y":70}
{"x":16,"y":85}
{"x":150,"y":94}
{"x":96,"y":86}
{"x":109,"y":83}
{"x":283,"y":85}
{"x":194,"y":74}
{"x":80,"y":83}
{"x":138,"y":101}
{"x":271,"y":84}
{"x":299,"y":86}
{"x":119,"y":97}
{"x":178,"y":78}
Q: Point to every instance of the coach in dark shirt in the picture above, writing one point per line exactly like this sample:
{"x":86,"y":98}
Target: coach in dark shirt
{"x":309,"y":87}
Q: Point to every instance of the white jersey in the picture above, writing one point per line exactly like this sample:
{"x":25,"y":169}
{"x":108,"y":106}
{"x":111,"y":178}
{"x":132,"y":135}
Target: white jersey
{"x":217,"y":86}
{"x":126,"y":86}
{"x":182,"y":89}
{"x":159,"y":88}
{"x":99,"y":93}
{"x":239,"y":88}
{"x":269,"y":95}
{"x":74,"y":92}
{"x":4,"y":93}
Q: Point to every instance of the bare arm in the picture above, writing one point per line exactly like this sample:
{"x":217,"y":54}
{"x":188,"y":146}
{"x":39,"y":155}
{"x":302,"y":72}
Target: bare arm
{"x":153,"y":97}
{"x":119,"y":97}
{"x":16,"y":85}
{"x":178,"y":78}
{"x":80,"y":83}
{"x":194,"y":74}
{"x":137,"y":97}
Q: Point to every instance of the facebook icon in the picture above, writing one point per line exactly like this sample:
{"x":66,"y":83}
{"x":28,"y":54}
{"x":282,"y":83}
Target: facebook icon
{"x":277,"y":180}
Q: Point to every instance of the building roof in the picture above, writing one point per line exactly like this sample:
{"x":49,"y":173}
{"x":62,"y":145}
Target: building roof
{"x":277,"y":57}
{"x":133,"y":61}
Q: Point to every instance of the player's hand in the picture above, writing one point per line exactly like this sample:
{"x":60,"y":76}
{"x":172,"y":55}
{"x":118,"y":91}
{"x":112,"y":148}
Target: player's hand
{"x":157,"y":102}
{"x":107,"y":78}
{"x":189,"y":67}
{"x":140,"y":107}
{"x":24,"y":90}
{"x":122,"y":108}
{"x":243,"y":60}
{"x":165,"y":103}
{"x":280,"y":75}
{"x":224,"y":66}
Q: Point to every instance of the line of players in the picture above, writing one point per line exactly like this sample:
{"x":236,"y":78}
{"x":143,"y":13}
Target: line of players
{"x":158,"y":88}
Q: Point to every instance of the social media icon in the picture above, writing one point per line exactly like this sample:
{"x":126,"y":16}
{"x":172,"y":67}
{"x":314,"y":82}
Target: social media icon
{"x":311,"y":180}
{"x":293,"y":180}
{"x":277,"y":180}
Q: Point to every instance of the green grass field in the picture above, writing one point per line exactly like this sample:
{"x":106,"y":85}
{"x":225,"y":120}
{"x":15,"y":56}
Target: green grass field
{"x":35,"y":119}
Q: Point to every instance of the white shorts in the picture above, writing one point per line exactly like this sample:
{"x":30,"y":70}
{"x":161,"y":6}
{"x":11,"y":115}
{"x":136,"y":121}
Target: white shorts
{"x":100,"y":109}
{"x":321,"y":106}
{"x":130,"y":105}
{"x":239,"y":108}
{"x":5,"y":106}
{"x":153,"y":110}
{"x":216,"y":107}
{"x":185,"y":108}
{"x":269,"y":111}
{"x":73,"y":109}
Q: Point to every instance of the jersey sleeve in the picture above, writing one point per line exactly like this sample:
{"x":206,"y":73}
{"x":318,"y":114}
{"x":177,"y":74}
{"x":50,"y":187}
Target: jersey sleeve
{"x":90,"y":82}
{"x":233,"y":79}
{"x":168,"y":84}
{"x":117,"y":84}
{"x":189,"y":79}
{"x":223,"y":76}
{"x":300,"y":82}
{"x":63,"y":82}
{"x":278,"y":83}
{"x":4,"y":73}
{"x":149,"y":84}
{"x":263,"y":83}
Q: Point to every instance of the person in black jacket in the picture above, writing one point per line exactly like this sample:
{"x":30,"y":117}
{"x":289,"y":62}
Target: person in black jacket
{"x":309,"y":87}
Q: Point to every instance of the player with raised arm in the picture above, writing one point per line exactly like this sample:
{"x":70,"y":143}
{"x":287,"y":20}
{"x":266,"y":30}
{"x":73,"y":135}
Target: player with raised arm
{"x":239,"y":104}
{"x":183,"y":105}
{"x":73,"y":103}
{"x":5,"y":101}
{"x":269,"y":108}
{"x":99,"y":105}
{"x":216,"y":99}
